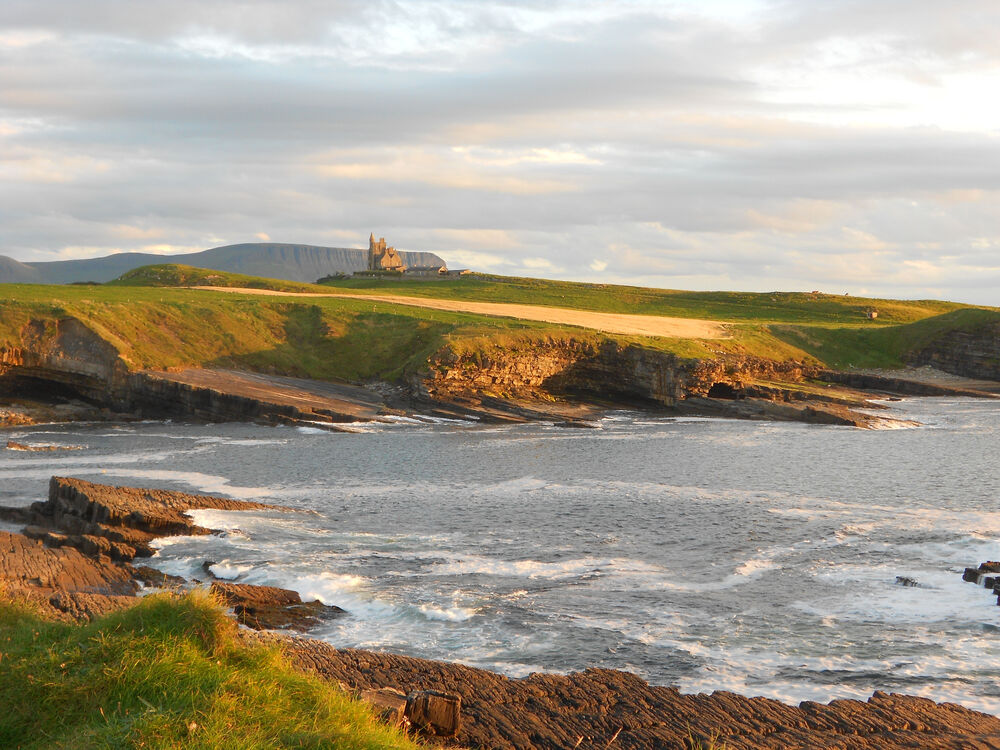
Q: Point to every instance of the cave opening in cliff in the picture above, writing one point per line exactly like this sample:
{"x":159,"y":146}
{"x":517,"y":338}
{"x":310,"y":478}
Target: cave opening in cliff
{"x":18,"y":385}
{"x":725,"y":391}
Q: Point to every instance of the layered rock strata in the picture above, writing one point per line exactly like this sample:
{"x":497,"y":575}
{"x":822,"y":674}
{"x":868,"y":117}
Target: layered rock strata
{"x":84,"y":537}
{"x":972,"y":353}
{"x":601,"y":708}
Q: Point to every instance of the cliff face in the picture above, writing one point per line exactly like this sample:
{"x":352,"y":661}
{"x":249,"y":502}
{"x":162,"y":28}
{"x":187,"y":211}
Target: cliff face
{"x":605,"y":371}
{"x":68,"y":359}
{"x":66,"y":354}
{"x":971,"y":354}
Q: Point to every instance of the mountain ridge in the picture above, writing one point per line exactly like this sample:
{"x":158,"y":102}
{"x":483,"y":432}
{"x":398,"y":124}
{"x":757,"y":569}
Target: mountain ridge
{"x":277,"y":260}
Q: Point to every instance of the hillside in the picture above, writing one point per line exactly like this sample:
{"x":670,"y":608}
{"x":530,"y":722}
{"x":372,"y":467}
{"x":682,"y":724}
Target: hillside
{"x":303,"y":263}
{"x":211,"y":328}
{"x":107,"y":344}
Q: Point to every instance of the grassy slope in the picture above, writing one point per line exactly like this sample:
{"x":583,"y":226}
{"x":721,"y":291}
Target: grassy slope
{"x":175,"y":274}
{"x":323,"y":338}
{"x":153,"y":325}
{"x":139,"y":678}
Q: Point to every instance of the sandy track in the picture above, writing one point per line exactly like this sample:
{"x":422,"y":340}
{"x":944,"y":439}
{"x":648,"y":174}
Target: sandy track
{"x":631,"y":325}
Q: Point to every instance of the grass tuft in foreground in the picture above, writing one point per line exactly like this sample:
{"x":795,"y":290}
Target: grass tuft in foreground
{"x":168,"y":673}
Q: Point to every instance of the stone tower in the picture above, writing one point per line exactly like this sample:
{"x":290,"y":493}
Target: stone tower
{"x":382,"y":258}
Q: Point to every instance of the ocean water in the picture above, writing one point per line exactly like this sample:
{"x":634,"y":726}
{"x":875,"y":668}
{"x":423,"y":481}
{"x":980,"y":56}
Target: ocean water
{"x":708,"y":554}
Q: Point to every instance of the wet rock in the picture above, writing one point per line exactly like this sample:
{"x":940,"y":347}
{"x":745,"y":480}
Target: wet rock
{"x":271,"y":608}
{"x":153,"y":577}
{"x":65,"y":560}
{"x":74,"y":502}
{"x":15,"y":515}
{"x":15,"y":446}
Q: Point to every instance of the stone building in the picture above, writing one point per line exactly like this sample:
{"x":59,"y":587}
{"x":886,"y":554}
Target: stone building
{"x":382,"y":258}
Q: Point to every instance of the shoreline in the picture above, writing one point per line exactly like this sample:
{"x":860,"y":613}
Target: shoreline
{"x":84,"y":525}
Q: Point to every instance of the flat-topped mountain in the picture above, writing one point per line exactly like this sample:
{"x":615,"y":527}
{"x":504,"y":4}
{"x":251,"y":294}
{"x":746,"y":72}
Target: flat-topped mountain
{"x":271,"y":259}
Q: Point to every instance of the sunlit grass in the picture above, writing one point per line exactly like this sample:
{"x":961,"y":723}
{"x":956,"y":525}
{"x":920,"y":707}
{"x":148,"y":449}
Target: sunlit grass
{"x":168,"y":673}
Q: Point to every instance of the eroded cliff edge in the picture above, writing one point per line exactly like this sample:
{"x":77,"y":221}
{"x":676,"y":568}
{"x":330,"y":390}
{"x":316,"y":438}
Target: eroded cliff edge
{"x":63,"y":369}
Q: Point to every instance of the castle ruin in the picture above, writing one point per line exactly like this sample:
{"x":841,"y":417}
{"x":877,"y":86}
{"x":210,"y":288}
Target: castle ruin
{"x":382,"y":258}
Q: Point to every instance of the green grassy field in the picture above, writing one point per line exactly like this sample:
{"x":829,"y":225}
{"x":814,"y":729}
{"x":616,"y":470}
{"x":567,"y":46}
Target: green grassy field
{"x":155,"y":324}
{"x":168,"y":673}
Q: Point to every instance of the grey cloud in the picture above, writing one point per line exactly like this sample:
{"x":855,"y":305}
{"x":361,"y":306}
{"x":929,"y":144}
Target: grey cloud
{"x":122,"y":135}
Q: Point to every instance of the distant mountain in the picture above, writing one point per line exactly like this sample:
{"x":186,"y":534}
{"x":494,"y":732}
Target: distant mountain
{"x":271,"y":259}
{"x":18,"y":272}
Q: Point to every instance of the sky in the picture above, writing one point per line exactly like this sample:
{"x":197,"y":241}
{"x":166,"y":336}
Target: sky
{"x":839,"y":145}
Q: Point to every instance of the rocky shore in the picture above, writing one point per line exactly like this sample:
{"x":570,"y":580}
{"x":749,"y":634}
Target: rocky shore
{"x":79,"y":557}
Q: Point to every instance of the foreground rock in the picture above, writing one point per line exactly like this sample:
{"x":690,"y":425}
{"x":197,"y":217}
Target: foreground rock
{"x":119,"y":521}
{"x":602,"y":708}
{"x":64,"y":583}
{"x":78,"y":534}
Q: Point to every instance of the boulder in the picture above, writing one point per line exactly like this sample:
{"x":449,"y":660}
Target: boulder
{"x":434,"y":712}
{"x":389,"y":705}
{"x":271,"y":608}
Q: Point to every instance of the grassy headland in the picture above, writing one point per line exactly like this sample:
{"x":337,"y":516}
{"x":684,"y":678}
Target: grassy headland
{"x":155,"y":324}
{"x":167,"y":673}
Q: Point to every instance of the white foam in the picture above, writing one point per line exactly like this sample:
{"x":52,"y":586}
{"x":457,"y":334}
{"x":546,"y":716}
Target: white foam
{"x":449,"y":614}
{"x":227,"y":571}
{"x":517,"y":568}
{"x":302,"y":429}
{"x":940,"y":597}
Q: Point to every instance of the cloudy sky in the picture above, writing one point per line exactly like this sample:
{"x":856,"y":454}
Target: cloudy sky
{"x":842,"y":145}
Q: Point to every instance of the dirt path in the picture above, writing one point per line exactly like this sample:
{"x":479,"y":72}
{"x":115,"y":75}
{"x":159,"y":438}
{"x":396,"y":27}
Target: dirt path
{"x":631,"y":325}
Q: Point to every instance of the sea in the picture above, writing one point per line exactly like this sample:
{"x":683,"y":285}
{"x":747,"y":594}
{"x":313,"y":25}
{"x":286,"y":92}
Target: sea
{"x":759,"y":557}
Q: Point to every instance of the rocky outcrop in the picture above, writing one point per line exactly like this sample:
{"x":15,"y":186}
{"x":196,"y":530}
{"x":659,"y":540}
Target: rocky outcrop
{"x":986,"y":575}
{"x":76,"y":537}
{"x":115,"y":522}
{"x":900,"y":385}
{"x":527,"y":381}
{"x":607,"y":370}
{"x":972,"y":353}
{"x":602,"y":708}
{"x":64,"y":583}
{"x":270,"y":608}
